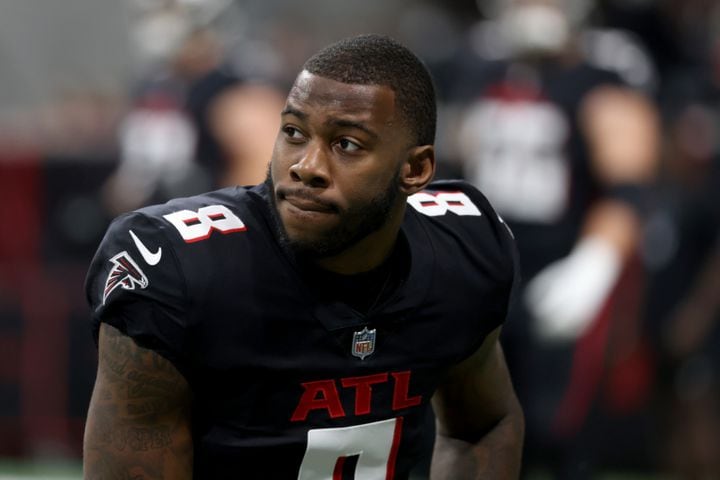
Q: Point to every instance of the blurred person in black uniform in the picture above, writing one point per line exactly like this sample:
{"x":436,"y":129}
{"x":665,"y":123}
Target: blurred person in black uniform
{"x":680,"y":246}
{"x":167,"y":147}
{"x":682,"y":249}
{"x":201,"y":61}
{"x":300,"y":328}
{"x":564,"y":151}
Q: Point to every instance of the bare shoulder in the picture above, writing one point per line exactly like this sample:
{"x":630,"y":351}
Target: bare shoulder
{"x":138,"y":422}
{"x":623,"y":130}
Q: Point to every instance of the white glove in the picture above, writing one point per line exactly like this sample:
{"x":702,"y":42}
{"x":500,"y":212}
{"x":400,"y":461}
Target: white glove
{"x":567,"y":295}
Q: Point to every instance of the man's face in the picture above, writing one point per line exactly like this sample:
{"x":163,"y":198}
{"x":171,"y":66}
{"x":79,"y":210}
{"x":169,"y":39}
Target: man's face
{"x":336,"y":163}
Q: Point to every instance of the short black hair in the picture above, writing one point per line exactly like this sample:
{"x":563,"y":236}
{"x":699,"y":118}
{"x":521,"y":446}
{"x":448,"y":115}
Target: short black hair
{"x":373,"y":59}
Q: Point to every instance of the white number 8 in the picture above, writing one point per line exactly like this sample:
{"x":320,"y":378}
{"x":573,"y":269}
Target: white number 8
{"x":443,"y":202}
{"x":196,"y":226}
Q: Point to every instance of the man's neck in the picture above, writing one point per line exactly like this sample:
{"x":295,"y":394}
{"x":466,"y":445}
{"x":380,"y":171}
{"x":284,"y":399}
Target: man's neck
{"x":368,"y":253}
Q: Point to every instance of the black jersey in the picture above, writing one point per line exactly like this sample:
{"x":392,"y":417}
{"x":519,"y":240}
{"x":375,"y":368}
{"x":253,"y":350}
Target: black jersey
{"x":288,"y":383}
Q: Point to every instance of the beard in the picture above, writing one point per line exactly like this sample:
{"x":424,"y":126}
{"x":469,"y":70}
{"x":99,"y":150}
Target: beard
{"x":356,"y":223}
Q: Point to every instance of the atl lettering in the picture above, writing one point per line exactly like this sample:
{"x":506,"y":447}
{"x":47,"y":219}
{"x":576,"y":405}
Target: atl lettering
{"x":324,"y":395}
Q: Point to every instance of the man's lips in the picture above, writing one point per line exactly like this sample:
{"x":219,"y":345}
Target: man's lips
{"x":306,"y":201}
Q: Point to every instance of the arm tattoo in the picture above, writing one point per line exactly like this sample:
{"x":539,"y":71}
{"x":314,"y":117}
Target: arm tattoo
{"x":138,"y":423}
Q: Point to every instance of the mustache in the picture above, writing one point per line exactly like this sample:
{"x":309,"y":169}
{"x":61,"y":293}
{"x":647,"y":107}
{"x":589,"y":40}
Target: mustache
{"x":305,"y":194}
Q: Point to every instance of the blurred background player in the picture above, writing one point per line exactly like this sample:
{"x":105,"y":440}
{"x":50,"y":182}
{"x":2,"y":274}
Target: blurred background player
{"x":166,"y":145}
{"x":564,"y":150}
{"x":681,"y":249}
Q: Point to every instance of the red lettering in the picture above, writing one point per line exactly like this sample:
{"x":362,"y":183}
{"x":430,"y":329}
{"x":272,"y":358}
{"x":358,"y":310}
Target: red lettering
{"x":318,"y":395}
{"x":400,"y":391}
{"x":363,"y":390}
{"x":323,"y":395}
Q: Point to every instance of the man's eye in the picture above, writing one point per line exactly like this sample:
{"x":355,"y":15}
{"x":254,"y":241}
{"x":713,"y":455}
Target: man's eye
{"x":292,"y":132}
{"x":348,"y":145}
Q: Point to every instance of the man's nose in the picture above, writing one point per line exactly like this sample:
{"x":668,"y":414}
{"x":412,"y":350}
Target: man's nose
{"x":312,"y":168}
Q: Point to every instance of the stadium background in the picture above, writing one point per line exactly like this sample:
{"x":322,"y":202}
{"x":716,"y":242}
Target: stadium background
{"x":72,"y":74}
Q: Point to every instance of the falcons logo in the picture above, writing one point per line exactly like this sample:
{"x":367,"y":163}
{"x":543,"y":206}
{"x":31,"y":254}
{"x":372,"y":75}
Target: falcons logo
{"x":125,"y":273}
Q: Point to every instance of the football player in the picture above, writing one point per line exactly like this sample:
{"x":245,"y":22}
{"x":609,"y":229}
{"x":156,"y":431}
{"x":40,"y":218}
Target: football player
{"x":306,"y":327}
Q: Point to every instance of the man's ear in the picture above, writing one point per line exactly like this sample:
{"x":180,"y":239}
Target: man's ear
{"x":418,"y":169}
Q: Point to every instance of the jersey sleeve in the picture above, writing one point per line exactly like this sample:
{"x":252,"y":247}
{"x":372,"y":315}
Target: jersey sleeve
{"x":488,"y":244}
{"x":502,"y":241}
{"x":135,"y":284}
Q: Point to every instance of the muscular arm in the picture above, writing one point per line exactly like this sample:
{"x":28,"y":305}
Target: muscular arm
{"x":138,"y":424}
{"x":480,"y":422}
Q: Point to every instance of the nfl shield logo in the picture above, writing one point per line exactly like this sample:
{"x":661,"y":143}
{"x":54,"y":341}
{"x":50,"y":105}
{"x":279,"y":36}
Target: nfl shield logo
{"x":363,"y":343}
